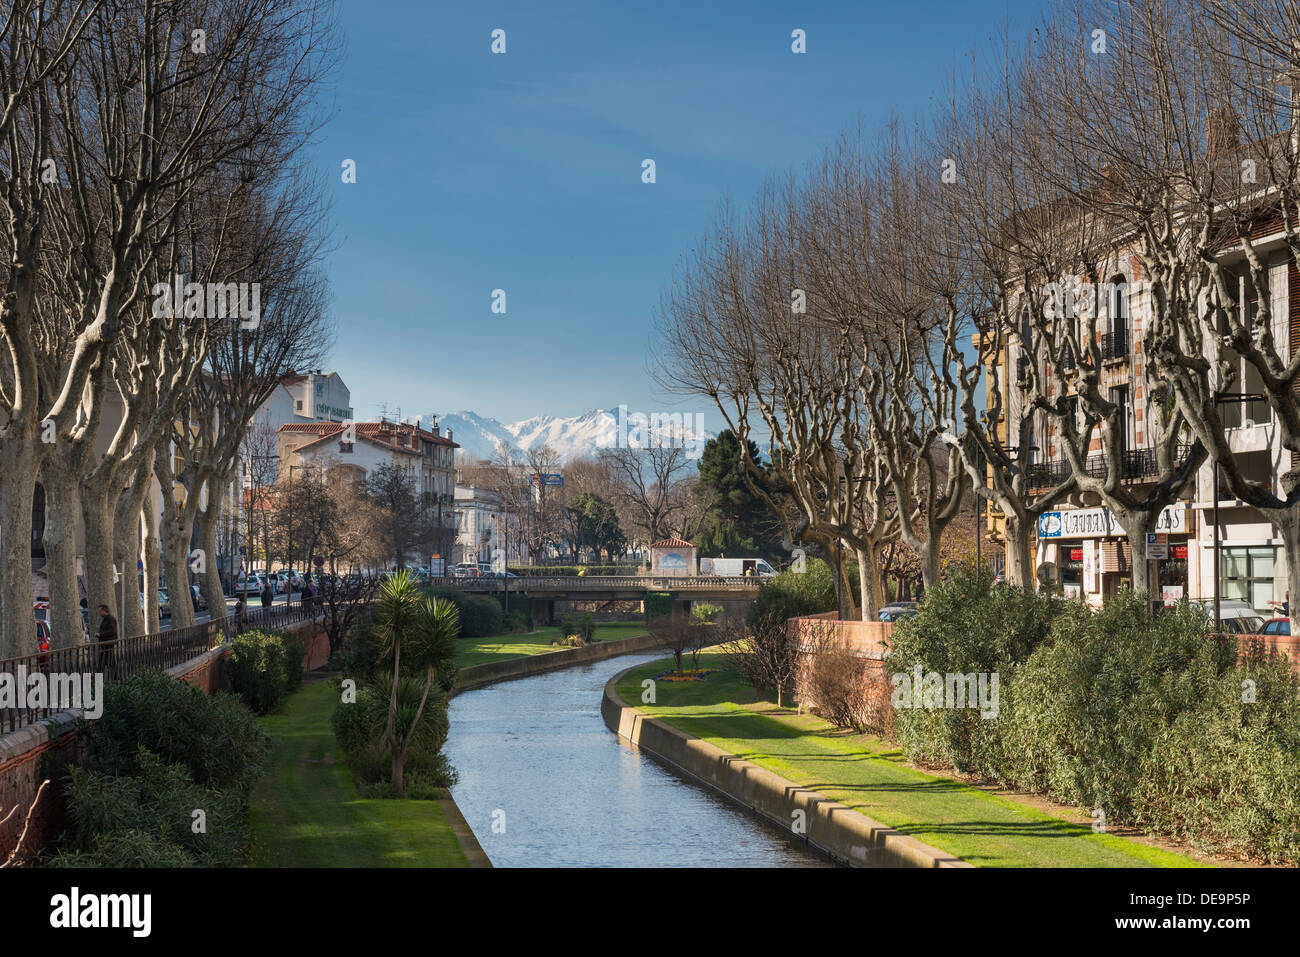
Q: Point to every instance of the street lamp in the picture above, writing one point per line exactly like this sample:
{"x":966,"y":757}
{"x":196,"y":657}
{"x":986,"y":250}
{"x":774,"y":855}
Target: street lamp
{"x":1219,"y":399}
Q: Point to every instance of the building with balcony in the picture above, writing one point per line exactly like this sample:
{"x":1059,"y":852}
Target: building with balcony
{"x":1082,"y":539}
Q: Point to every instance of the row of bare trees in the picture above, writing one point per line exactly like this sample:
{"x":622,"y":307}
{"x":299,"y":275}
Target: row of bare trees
{"x":923,"y":312}
{"x":147,"y":148}
{"x":647,"y":494}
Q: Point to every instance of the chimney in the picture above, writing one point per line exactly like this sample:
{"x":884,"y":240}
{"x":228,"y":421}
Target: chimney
{"x":449,"y":435}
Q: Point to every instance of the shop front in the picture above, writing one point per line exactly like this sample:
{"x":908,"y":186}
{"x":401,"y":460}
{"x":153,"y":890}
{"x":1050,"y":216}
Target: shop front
{"x":1094,"y":559}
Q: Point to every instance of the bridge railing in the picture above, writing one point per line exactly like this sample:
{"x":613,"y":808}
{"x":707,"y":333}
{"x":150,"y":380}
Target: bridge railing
{"x":599,"y":582}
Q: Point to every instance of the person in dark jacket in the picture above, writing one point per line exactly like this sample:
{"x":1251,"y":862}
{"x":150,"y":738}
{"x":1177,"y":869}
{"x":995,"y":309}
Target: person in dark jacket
{"x":106,"y":639}
{"x":268,"y":596}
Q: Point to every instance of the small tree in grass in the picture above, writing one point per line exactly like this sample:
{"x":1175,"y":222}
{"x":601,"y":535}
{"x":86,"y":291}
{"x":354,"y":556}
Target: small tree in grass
{"x":419,"y":635}
{"x":763,"y":654}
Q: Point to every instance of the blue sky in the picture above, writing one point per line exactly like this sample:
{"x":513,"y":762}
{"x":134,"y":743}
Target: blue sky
{"x":522,"y":172}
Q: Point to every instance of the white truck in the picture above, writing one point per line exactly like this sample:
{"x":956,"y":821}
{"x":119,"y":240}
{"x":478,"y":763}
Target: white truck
{"x":736,"y":567}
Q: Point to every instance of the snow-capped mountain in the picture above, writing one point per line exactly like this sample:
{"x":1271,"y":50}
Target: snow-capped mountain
{"x":578,"y":436}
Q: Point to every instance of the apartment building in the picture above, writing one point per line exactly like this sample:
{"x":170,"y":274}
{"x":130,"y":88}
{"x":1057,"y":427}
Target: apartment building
{"x":1083,"y":539}
{"x":358,"y":449}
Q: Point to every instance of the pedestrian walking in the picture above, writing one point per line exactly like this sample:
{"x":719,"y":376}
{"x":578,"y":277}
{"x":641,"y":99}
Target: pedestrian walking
{"x":268,"y":596}
{"x":241,"y":613}
{"x":106,"y":640}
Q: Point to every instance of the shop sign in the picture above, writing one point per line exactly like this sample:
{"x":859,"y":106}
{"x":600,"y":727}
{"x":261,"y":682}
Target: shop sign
{"x":1101,"y":522}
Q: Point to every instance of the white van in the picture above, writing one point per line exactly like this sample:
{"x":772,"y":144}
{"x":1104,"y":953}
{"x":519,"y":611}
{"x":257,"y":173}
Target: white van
{"x":736,"y":567}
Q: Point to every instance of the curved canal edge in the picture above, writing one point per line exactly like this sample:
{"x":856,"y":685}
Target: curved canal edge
{"x":478,"y":676}
{"x":838,"y":831}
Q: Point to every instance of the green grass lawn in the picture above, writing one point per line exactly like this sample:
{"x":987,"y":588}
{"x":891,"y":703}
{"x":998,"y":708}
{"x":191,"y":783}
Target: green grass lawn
{"x":305,"y":811}
{"x":870,"y":774}
{"x":477,"y":651}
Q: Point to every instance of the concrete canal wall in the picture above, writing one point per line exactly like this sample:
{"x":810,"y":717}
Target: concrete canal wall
{"x":846,"y":835}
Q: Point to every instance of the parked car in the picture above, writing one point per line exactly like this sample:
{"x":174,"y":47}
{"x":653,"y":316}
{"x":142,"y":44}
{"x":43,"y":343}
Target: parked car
{"x":43,"y":642}
{"x":467,"y":570}
{"x":898,"y":610}
{"x":1276,"y":626}
{"x":1236,"y":615}
{"x":41,"y":610}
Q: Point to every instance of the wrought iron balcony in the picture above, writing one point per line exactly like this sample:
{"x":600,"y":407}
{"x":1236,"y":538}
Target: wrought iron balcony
{"x":1135,"y":465}
{"x":1114,"y":345}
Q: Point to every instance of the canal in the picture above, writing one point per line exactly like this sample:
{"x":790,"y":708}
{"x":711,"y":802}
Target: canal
{"x":543,"y":783}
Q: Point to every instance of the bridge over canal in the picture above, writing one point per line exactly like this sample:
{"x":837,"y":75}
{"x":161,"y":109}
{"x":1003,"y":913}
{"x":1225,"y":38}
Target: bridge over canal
{"x":733,"y":593}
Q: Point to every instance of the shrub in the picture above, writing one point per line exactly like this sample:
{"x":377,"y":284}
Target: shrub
{"x":480,"y":615}
{"x":1139,"y":715}
{"x":262,"y":666}
{"x":964,"y":626}
{"x":583,"y":626}
{"x":146,"y":819}
{"x":215,"y":737}
{"x":705,"y":612}
{"x":518,"y":621}
{"x":791,"y":594}
{"x":359,"y":728}
{"x":658,"y":604}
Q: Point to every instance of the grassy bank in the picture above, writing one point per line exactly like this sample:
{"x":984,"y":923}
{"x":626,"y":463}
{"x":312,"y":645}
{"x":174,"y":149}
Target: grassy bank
{"x":477,"y":651}
{"x":871,"y":775}
{"x":306,"y":813}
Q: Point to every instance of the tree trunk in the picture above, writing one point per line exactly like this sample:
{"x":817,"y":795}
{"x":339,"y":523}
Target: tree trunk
{"x":1019,"y":553}
{"x":17,"y":495}
{"x":151,"y":556}
{"x":870,"y":582}
{"x":103,"y":579}
{"x":61,"y":558}
{"x":1288,"y":525}
{"x":1136,"y":525}
{"x":210,"y":582}
{"x":126,"y":553}
{"x":175,"y":561}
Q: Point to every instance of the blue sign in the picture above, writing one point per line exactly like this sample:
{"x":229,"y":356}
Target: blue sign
{"x":548,"y":478}
{"x":1049,"y":525}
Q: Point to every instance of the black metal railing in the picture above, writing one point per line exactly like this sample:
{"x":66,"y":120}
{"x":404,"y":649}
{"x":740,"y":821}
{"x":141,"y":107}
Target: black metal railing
{"x":1135,"y":465}
{"x":1047,"y":474}
{"x":125,"y":657}
{"x":1114,"y":345}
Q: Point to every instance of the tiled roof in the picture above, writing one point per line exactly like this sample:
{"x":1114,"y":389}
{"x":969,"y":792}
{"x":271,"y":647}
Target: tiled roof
{"x":672,"y":543}
{"x":312,"y":428}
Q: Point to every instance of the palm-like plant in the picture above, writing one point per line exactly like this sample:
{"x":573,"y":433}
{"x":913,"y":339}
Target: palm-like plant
{"x":418,"y":633}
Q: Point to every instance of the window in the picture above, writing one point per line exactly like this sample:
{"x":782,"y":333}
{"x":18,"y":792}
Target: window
{"x":1248,"y":574}
{"x":1237,"y":414}
{"x":297,"y":406}
{"x":1125,"y":441}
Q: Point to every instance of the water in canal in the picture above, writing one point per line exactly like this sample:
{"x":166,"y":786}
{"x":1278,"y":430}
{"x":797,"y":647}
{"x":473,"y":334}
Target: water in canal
{"x":563,"y":790}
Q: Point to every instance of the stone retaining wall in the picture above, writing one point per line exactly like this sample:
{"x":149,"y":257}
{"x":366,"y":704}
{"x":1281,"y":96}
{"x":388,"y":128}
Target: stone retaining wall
{"x":845,"y":835}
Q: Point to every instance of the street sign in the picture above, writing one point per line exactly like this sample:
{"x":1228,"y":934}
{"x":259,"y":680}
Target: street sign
{"x":1157,"y":546}
{"x":139,"y":564}
{"x":547,"y":478}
